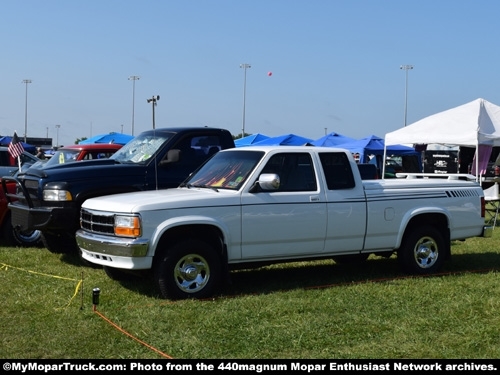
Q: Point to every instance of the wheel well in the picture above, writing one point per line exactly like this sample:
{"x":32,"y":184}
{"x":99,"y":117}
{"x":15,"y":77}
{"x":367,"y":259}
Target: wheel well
{"x":436,"y":220}
{"x":209,"y":233}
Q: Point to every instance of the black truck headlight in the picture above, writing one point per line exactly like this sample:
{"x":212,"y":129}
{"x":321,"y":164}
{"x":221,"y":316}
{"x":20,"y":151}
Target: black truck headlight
{"x":57,"y":195}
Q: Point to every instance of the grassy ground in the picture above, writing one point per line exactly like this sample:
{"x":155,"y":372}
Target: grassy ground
{"x":299,"y":310}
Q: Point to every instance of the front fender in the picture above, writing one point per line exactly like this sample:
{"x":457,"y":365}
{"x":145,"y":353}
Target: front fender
{"x":177,"y":222}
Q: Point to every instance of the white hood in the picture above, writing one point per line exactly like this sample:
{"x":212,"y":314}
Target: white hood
{"x":162,"y":199}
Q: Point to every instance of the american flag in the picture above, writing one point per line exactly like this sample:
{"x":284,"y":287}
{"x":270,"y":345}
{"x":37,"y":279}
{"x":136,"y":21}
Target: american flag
{"x":15,"y":146}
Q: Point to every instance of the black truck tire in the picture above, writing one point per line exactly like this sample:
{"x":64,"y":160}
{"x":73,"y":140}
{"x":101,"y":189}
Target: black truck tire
{"x":188,"y":269}
{"x":423,"y":251}
{"x":16,"y":237}
{"x":60,"y":243}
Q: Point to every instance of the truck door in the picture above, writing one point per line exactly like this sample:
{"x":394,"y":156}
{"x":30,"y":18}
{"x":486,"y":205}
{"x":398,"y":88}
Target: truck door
{"x":346,"y":204}
{"x":288,"y":222}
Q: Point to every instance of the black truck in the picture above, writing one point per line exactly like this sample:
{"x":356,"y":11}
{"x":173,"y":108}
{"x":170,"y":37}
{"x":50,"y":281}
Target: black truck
{"x":49,"y":199}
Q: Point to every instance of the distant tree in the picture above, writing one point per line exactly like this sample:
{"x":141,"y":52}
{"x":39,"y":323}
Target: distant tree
{"x":78,"y":140}
{"x":240,"y":135}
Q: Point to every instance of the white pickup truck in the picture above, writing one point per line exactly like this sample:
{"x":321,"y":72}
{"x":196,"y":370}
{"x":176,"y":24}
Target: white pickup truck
{"x":254,"y":205}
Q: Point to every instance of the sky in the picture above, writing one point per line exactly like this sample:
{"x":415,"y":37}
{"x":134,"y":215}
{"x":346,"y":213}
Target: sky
{"x":316,"y":66}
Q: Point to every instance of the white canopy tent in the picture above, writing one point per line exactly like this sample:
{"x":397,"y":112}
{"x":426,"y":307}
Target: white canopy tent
{"x":470,"y":125}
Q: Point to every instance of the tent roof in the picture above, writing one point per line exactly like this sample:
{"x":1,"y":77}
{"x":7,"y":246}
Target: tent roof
{"x":332,"y":139}
{"x":250,"y":139}
{"x":112,"y":137}
{"x":5,"y":141}
{"x":476,"y":122}
{"x":375,"y":145}
{"x":285,"y":140}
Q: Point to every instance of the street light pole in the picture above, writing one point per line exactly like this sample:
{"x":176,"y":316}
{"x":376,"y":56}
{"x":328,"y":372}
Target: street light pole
{"x":26,"y":81}
{"x":406,"y":68}
{"x":57,"y":135}
{"x":133,"y":79}
{"x":245,"y":67}
{"x":153,"y":101}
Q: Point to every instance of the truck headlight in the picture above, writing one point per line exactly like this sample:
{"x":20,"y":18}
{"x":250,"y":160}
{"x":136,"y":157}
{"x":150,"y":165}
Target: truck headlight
{"x":129,"y":226}
{"x":57,"y":195}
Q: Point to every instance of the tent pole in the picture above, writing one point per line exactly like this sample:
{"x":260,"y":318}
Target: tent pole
{"x":477,"y":163}
{"x":383,"y":160}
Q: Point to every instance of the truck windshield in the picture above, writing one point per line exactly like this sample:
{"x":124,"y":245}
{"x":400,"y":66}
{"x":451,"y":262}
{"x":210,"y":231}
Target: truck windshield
{"x":226,"y":169}
{"x":62,"y":157}
{"x":141,"y":148}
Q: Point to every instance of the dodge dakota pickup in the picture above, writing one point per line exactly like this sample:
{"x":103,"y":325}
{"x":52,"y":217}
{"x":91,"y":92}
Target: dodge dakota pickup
{"x":256,"y":205}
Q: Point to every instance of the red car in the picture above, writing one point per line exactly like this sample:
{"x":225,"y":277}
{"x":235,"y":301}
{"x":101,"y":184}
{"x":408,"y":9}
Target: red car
{"x":66,"y":154}
{"x":71,"y":153}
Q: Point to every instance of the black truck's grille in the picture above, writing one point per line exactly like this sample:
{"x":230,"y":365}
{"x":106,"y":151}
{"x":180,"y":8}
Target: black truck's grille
{"x":26,"y":192}
{"x":97,"y":222}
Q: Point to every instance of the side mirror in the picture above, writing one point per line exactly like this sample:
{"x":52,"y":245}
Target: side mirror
{"x":269,"y":181}
{"x":173,"y":156}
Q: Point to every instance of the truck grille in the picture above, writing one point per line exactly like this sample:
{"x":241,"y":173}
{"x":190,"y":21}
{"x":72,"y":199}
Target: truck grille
{"x":97,"y":222}
{"x":26,"y":192}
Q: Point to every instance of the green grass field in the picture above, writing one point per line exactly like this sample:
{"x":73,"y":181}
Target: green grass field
{"x":306,"y":310}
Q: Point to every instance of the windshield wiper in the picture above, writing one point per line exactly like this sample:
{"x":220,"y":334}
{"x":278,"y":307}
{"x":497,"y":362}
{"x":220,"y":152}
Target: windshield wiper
{"x":189,"y":186}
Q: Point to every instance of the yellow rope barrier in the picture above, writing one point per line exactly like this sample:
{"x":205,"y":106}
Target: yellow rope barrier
{"x":4,"y":266}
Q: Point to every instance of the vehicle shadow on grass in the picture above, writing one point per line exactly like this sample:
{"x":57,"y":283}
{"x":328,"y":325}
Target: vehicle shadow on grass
{"x":76,"y":260}
{"x":328,"y":274}
{"x":321,"y":274}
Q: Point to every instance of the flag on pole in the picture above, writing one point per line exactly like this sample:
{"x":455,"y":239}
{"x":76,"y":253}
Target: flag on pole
{"x":15,"y":146}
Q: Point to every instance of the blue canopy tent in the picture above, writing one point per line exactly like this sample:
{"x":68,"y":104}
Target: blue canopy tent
{"x":250,"y":139}
{"x":332,"y":140}
{"x":374,"y":145}
{"x":285,"y":140}
{"x":5,"y":141}
{"x":112,"y":137}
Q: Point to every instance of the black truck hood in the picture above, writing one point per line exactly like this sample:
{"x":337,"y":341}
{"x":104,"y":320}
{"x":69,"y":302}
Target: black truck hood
{"x":88,"y":168}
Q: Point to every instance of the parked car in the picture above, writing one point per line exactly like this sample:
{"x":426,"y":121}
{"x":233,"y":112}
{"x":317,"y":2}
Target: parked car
{"x":66,"y":154}
{"x":492,"y":172}
{"x":393,"y":167}
{"x":72,"y":153}
{"x":9,"y":166}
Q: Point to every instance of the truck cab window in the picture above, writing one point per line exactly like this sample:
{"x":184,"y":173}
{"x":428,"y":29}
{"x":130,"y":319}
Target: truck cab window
{"x":295,"y":170}
{"x":337,"y":169}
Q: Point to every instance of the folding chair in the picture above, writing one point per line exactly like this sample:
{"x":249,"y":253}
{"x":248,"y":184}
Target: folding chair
{"x":492,"y":198}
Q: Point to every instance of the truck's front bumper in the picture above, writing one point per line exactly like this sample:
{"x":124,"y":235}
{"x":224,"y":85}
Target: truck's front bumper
{"x":43,"y":218}
{"x":127,"y":253}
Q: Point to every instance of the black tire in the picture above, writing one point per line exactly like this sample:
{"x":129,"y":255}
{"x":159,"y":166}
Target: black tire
{"x":351,"y":259}
{"x":60,"y":244}
{"x":188,"y":269}
{"x":423,"y":251}
{"x":15,"y":237}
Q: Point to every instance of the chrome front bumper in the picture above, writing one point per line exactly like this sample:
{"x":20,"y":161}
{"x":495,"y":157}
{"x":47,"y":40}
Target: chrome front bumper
{"x":112,"y":246}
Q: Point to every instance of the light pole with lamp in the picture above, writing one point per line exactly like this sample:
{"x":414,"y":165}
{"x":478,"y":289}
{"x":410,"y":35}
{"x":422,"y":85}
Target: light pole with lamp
{"x":133,"y":79}
{"x":57,"y":135}
{"x":153,"y":100}
{"x":406,"y":68}
{"x":245,"y":67}
{"x":26,"y":81}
